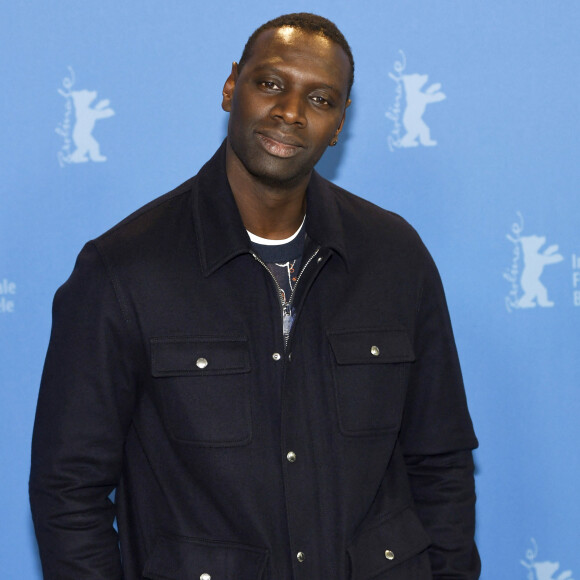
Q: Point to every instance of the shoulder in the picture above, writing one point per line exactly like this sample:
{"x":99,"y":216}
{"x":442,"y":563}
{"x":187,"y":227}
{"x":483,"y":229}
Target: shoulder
{"x":150,"y":231}
{"x":367,"y":226}
{"x":153,"y":216}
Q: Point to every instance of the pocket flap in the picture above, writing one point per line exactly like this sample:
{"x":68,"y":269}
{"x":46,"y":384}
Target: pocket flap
{"x":199,"y":355}
{"x":182,"y":558}
{"x":371,"y":346}
{"x":387,"y":544}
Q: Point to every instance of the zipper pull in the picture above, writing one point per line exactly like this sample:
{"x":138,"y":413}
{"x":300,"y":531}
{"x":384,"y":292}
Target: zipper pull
{"x":287,"y":319}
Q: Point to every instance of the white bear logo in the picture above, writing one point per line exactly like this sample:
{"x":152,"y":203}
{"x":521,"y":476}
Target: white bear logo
{"x":86,"y":117}
{"x":534,"y":262}
{"x":543,"y":570}
{"x":417,"y":102}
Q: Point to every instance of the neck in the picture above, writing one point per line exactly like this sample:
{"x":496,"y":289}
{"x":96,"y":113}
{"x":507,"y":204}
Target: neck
{"x":269,"y":210}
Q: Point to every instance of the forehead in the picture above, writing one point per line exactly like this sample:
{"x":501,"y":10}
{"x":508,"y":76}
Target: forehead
{"x":304,"y":51}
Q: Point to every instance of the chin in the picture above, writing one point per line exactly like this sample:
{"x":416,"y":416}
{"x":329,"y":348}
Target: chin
{"x":278,"y":172}
{"x":288,"y":178}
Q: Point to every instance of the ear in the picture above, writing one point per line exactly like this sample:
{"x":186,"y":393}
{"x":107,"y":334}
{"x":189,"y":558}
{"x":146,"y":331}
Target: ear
{"x":339,"y":129}
{"x":229,"y":86}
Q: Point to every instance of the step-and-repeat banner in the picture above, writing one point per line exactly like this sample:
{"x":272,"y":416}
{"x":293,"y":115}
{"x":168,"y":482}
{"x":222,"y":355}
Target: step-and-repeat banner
{"x":464,"y":120}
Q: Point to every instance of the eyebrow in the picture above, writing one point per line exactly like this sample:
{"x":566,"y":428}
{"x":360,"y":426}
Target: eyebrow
{"x":275,"y":70}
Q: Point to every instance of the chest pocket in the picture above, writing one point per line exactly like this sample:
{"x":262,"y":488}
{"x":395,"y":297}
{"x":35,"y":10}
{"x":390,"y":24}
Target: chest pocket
{"x":182,"y":558}
{"x":370,"y":376}
{"x":205,"y":388}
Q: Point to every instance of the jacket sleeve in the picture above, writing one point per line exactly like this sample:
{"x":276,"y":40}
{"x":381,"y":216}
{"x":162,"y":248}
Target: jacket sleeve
{"x":85,"y":405}
{"x":437,"y":438}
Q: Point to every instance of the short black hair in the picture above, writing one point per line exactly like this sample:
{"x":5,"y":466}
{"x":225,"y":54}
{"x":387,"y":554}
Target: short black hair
{"x":308,"y":23}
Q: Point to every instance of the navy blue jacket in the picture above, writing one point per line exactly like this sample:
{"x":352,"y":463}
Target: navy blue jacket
{"x":345,"y":455}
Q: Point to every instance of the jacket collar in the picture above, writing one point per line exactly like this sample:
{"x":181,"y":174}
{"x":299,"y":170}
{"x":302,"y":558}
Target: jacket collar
{"x":218,"y":225}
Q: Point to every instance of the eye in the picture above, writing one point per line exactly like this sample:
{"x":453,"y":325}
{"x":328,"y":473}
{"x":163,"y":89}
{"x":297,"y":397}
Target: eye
{"x":321,"y":101}
{"x":270,"y":85}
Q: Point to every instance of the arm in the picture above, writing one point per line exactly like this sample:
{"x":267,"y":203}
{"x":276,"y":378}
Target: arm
{"x":444,"y":495}
{"x":85,"y":406}
{"x":437,"y":438}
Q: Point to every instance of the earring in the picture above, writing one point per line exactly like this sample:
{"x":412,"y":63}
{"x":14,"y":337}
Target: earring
{"x":334,"y":142}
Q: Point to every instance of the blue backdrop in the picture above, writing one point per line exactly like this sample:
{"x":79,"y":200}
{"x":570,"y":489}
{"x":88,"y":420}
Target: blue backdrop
{"x":464,"y":120}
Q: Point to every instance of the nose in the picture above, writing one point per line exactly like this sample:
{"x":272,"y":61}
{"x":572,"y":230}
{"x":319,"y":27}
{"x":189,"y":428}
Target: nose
{"x":290,"y":108}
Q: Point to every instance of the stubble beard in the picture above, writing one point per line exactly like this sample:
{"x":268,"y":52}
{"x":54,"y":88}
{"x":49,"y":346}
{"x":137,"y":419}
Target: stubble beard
{"x":270,"y":171}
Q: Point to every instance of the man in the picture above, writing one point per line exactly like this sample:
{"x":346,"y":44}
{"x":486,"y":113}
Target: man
{"x":260,"y":363}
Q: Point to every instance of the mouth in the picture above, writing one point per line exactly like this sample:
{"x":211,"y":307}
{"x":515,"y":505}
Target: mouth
{"x":278,"y":145}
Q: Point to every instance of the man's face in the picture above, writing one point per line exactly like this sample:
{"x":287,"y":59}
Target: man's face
{"x":286,"y":104}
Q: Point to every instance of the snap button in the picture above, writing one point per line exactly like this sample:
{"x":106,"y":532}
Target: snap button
{"x":291,"y":456}
{"x":375,"y":351}
{"x":276,"y":356}
{"x":201,"y":363}
{"x":205,"y":576}
{"x":300,"y":556}
{"x":389,"y":555}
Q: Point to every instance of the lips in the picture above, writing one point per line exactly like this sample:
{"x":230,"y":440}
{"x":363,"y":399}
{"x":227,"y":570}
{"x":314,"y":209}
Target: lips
{"x":279,"y":145}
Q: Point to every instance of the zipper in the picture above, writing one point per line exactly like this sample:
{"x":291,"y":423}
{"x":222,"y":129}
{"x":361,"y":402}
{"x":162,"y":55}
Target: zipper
{"x":285,"y":307}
